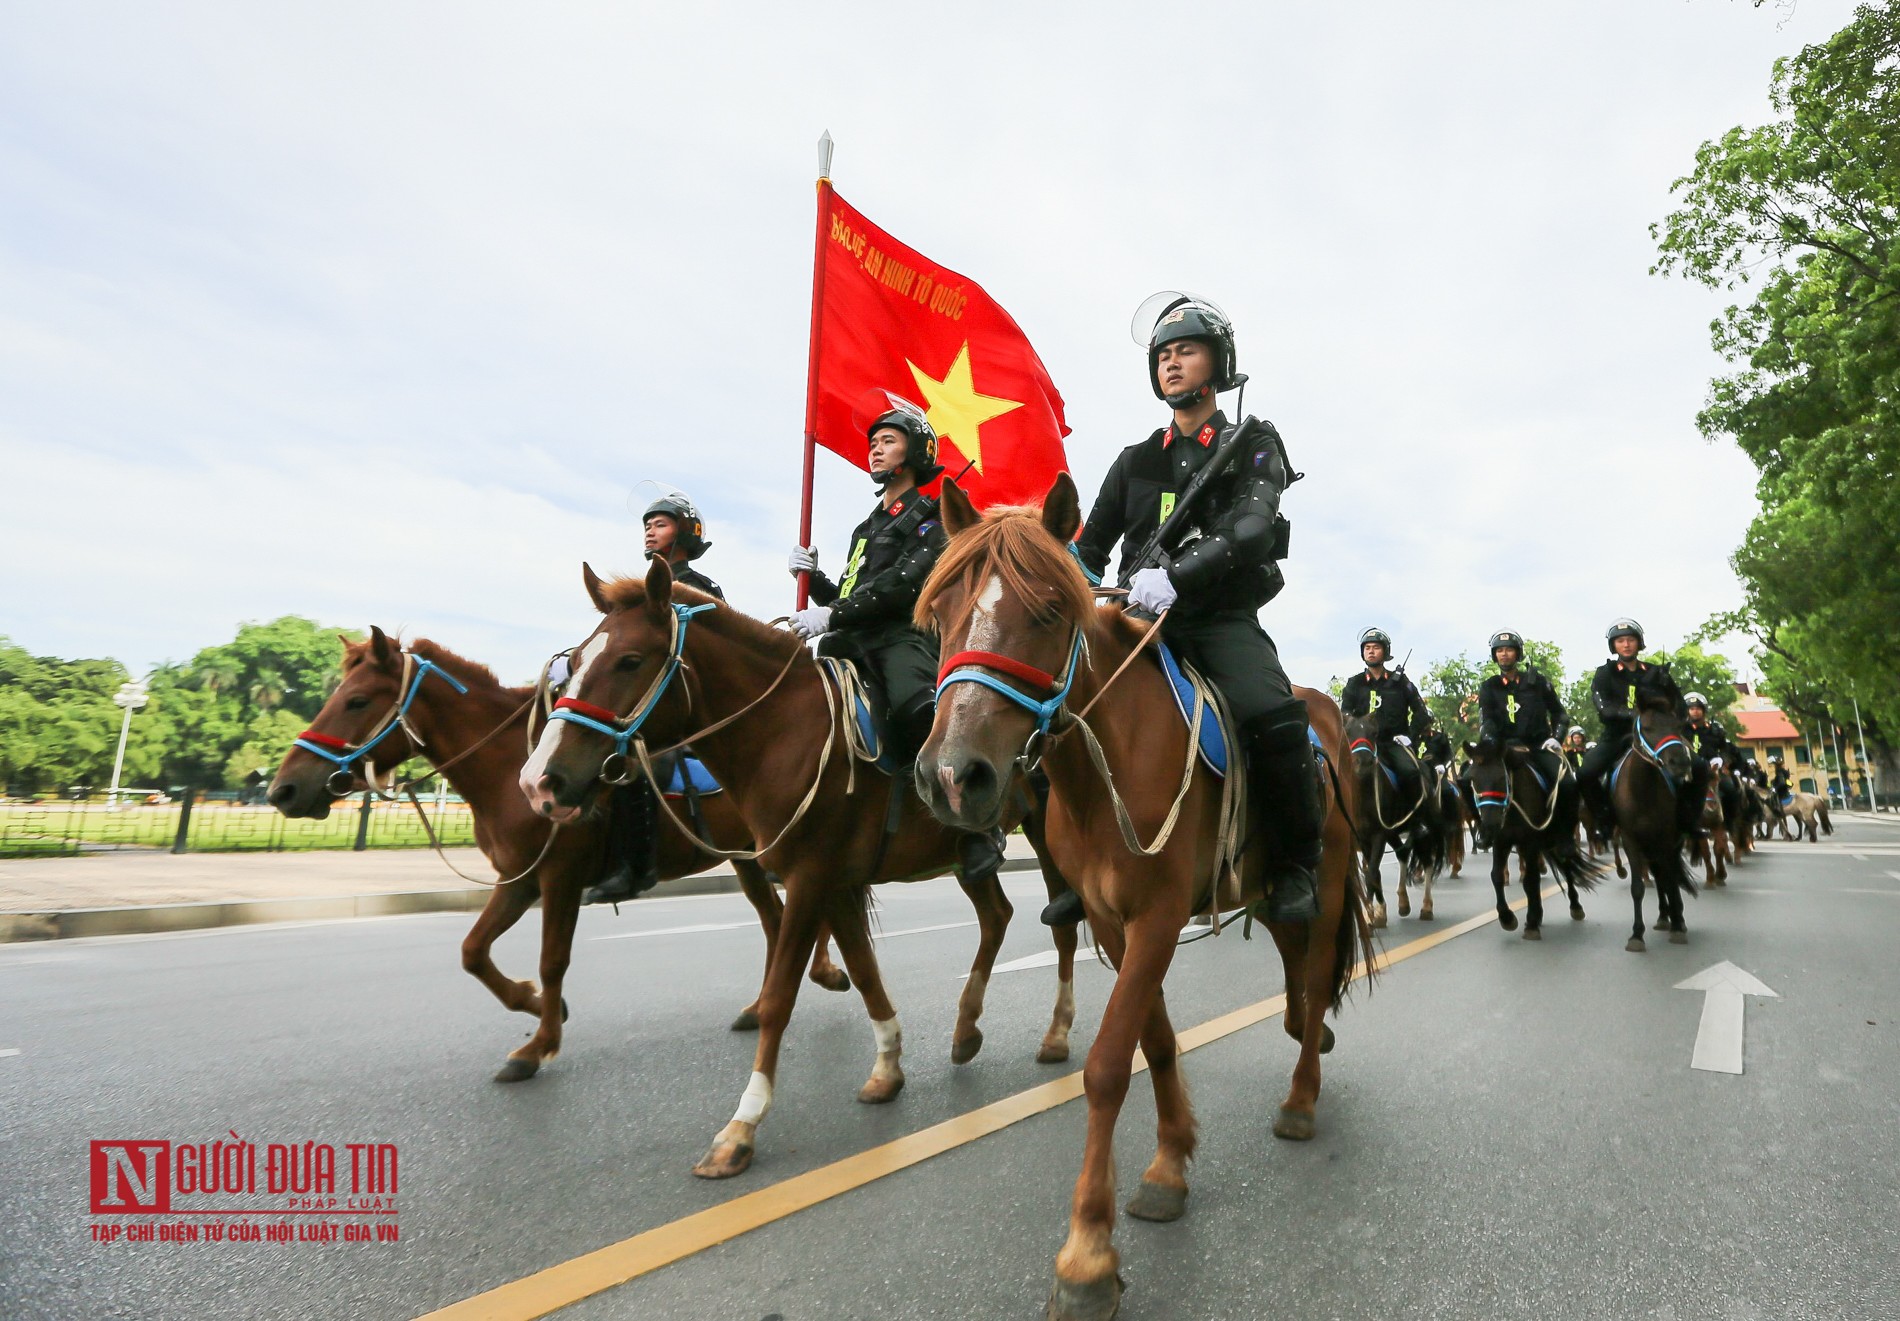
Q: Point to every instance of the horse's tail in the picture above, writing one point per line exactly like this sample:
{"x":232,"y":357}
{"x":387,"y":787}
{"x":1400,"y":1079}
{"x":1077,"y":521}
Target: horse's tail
{"x":1573,"y":867}
{"x":1352,"y":936}
{"x":1827,"y":826}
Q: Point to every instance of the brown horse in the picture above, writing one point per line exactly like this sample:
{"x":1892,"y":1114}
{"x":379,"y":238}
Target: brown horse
{"x":1808,"y":810}
{"x":479,"y":734}
{"x":1711,"y":852}
{"x":1643,"y":795}
{"x":769,"y":725}
{"x":1010,"y":604}
{"x":1516,"y":810}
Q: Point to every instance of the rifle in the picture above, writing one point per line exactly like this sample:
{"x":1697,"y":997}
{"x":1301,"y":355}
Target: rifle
{"x":1237,"y":439}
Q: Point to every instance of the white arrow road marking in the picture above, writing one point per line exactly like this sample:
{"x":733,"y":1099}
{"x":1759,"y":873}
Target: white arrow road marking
{"x":1044,"y":959}
{"x":10,"y":1050}
{"x":1718,"y":1038}
{"x":680,"y":931}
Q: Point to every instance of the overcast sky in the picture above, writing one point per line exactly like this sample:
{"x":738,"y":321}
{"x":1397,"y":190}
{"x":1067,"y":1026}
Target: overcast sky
{"x":380,"y":313}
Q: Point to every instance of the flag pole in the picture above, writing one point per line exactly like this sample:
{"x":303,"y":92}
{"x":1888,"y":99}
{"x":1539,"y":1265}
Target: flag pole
{"x":811,"y":366}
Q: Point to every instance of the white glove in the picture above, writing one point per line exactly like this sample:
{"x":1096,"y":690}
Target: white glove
{"x":812,"y":621}
{"x":1552,"y":745}
{"x":1151,"y":590}
{"x":1715,"y":763}
{"x":559,"y":668}
{"x":1402,"y":740}
{"x":804,"y":560}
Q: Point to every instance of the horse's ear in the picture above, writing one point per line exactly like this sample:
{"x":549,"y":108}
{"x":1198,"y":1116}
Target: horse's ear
{"x":1062,"y":509}
{"x":379,"y":645}
{"x":594,"y":592}
{"x":659,"y":589}
{"x":959,"y":515}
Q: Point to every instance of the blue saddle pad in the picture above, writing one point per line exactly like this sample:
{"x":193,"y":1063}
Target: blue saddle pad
{"x":873,"y":731}
{"x":1542,"y":783}
{"x":703,"y":782}
{"x":1213,"y":740}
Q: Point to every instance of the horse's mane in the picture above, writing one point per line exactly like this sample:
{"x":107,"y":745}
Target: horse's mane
{"x":1012,"y":544}
{"x":464,"y":669}
{"x":631,"y":593}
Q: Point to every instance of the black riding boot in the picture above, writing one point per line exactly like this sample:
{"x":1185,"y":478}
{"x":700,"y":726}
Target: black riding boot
{"x":1283,"y":781}
{"x":633,"y":845}
{"x":980,"y":854}
{"x":1064,"y":910}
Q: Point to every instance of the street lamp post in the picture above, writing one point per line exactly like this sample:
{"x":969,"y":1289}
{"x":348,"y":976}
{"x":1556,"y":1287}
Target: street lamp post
{"x":1867,"y":767}
{"x":129,"y":698}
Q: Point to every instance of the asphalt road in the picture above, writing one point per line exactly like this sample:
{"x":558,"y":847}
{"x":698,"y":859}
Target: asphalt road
{"x":1507,"y":1130}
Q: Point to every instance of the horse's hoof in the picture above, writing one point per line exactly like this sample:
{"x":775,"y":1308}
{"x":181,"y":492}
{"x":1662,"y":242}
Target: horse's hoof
{"x":564,"y":1009}
{"x":518,"y":1070}
{"x":1635,"y":945}
{"x":1678,"y":937}
{"x":1098,"y":1300}
{"x":1576,"y":912}
{"x":1294,"y":1125}
{"x":1532,"y":933}
{"x":1326,"y":1040}
{"x":833,"y":979}
{"x":879,"y":1090}
{"x":1405,"y":906}
{"x":747,"y":1021}
{"x":724,"y":1160}
{"x":1158,"y":1202}
{"x":1053,"y":1052}
{"x":1378,"y":916}
{"x":963,"y":1050}
{"x":1424,"y":914}
{"x":1507,"y":919}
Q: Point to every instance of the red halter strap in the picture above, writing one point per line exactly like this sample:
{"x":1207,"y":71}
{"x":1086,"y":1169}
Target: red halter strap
{"x":1009,"y":665}
{"x":589,"y":710}
{"x":327,"y":740}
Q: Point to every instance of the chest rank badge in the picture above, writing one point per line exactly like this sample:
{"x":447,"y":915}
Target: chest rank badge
{"x":1510,"y":707}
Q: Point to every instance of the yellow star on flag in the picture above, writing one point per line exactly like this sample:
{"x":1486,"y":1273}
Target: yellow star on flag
{"x":956,"y":411}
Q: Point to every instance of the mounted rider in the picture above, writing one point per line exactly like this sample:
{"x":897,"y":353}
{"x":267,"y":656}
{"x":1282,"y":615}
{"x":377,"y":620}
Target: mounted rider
{"x":1620,"y":688}
{"x":1575,"y":747}
{"x":1707,"y":739}
{"x":1214,"y":579}
{"x":865,"y":616}
{"x":674,"y":532}
{"x":1520,"y":706}
{"x":1393,"y":700}
{"x":1434,"y":749}
{"x":1783,"y":787}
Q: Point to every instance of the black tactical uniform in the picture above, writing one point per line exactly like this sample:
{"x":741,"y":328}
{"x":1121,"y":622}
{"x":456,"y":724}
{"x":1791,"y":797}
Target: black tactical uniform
{"x":687,"y":574}
{"x":1435,"y":749}
{"x":1708,"y":739}
{"x":1521,"y":706}
{"x":1781,"y":784}
{"x":1223,"y":570}
{"x":1394,"y":702}
{"x":892,"y":552}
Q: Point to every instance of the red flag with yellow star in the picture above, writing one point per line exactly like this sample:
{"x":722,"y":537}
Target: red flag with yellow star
{"x":887,"y":317}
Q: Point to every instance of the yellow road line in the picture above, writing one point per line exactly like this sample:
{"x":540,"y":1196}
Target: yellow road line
{"x":559,"y":1286}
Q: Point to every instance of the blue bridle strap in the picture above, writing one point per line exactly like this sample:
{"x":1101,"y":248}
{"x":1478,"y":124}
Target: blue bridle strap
{"x":345,"y":756}
{"x":1044,"y":711}
{"x":626,"y":728}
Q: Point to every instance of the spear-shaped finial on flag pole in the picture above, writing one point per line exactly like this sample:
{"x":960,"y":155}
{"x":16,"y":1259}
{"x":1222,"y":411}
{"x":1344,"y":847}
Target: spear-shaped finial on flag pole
{"x":811,"y":369}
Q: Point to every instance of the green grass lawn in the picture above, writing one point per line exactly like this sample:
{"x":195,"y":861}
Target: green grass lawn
{"x":47,"y":829}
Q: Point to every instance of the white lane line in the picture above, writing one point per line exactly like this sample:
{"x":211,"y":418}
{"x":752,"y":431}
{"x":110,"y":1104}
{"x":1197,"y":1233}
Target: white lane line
{"x":678,"y":931}
{"x":10,"y":1050}
{"x":918,"y":931}
{"x":1718,"y":1037}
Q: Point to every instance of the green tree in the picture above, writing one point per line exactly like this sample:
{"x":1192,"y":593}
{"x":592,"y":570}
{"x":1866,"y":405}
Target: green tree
{"x":1806,"y":209}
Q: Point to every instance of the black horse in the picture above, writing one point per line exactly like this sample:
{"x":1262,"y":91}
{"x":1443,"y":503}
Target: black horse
{"x":1643,"y":789}
{"x":1412,"y":823}
{"x":1517,"y":810}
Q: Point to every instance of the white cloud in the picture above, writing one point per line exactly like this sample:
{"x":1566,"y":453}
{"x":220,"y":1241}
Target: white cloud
{"x":379,"y":313}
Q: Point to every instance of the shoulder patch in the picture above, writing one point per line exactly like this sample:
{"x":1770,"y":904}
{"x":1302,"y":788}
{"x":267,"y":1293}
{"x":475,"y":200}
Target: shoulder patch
{"x":923,"y":529}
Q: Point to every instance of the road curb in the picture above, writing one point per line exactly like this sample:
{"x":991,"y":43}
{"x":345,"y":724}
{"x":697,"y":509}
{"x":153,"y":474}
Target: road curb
{"x":147,"y":919}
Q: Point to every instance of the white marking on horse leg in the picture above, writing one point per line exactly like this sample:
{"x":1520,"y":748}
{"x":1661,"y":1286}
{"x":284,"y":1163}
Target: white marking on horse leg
{"x":890,"y":1045}
{"x":1064,"y":1019}
{"x":970,"y":1003}
{"x":756,"y":1101}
